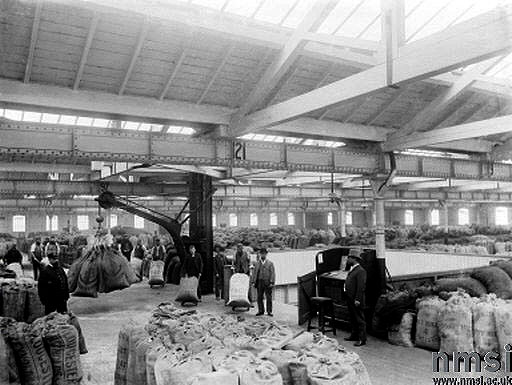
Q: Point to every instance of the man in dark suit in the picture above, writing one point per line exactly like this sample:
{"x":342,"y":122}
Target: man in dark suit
{"x":219,"y":260}
{"x":53,"y":286}
{"x":263,"y":279}
{"x":355,"y":286}
{"x":193,"y":267}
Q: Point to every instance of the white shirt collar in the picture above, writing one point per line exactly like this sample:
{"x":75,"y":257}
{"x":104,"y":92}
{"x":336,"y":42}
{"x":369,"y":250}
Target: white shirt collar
{"x":353,"y":266}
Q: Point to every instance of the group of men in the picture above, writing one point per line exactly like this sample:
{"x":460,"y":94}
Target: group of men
{"x":263,"y":277}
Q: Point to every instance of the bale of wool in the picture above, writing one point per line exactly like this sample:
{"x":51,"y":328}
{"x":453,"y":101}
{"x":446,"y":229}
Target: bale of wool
{"x":180,"y":372}
{"x":500,"y":247}
{"x":389,"y":310}
{"x":281,"y":359}
{"x":470,"y":285}
{"x":456,"y":325}
{"x":73,"y":320}
{"x":484,"y":325}
{"x":133,"y":373}
{"x":322,"y":370}
{"x":324,"y":346}
{"x":62,"y":343}
{"x":187,"y":292}
{"x":255,"y":327}
{"x":204,"y":343}
{"x":353,"y":359}
{"x":155,"y":351}
{"x":88,"y":278}
{"x":234,"y":362}
{"x":13,"y":301}
{"x":504,"y":265}
{"x":188,"y":333}
{"x":279,"y":335}
{"x":34,"y":364}
{"x":33,"y":307}
{"x":495,"y":281}
{"x":114,"y":270}
{"x":74,"y":272}
{"x":136,"y":265}
{"x":123,"y":351}
{"x":503,"y":318}
{"x":401,"y":333}
{"x":260,"y":372}
{"x":4,"y":362}
{"x":427,"y":332}
{"x":300,"y":341}
{"x":215,"y":378}
{"x":156,"y":273}
{"x":239,"y":291}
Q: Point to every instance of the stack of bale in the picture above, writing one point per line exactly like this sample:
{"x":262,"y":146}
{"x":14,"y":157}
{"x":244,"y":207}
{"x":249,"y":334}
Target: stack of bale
{"x":19,"y":299}
{"x":178,"y":347}
{"x":46,"y":352}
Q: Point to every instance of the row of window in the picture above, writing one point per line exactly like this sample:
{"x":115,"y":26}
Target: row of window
{"x":82,"y":222}
{"x":501,"y":217}
{"x":273,"y":219}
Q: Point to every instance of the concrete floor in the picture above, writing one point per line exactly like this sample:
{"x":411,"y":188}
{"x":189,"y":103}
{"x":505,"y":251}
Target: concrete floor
{"x":102,"y":318}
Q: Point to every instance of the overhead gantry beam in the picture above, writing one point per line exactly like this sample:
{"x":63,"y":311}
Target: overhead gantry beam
{"x":82,"y":145}
{"x":476,"y":129}
{"x":97,"y":103}
{"x":286,"y":57}
{"x":236,"y":198}
{"x":49,"y":187}
{"x":39,"y":167}
{"x":477,"y":39}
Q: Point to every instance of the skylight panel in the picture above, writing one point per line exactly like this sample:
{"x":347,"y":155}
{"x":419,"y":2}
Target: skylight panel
{"x":2,"y":112}
{"x":174,"y":129}
{"x":338,"y":15}
{"x":322,"y":143}
{"x":84,"y":121}
{"x":104,"y":123}
{"x":131,"y":125}
{"x":187,"y":131}
{"x":157,"y":127}
{"x":67,"y":119}
{"x":30,"y":116}
{"x":50,"y":118}
{"x":258,"y":137}
{"x":145,"y":127}
{"x":361,"y":19}
{"x":241,"y":7}
{"x":298,"y":14}
{"x":13,"y":114}
{"x":273,"y":11}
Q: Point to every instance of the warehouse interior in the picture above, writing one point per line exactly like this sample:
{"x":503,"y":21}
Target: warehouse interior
{"x":297,"y":126}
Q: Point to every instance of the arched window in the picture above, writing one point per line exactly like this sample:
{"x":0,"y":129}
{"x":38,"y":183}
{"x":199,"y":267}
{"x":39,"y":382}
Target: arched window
{"x":409,"y":217}
{"x":253,"y":219}
{"x":291,"y":219}
{"x":348,"y":218}
{"x":463,"y":217}
{"x":273,"y":219}
{"x":501,"y":216}
{"x":434,"y":217}
{"x":138,"y":222}
{"x":233,"y":219}
{"x":329,"y":219}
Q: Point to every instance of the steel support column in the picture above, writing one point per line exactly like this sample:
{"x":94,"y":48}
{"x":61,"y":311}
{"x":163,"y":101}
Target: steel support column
{"x":342,"y":212}
{"x":201,"y":229}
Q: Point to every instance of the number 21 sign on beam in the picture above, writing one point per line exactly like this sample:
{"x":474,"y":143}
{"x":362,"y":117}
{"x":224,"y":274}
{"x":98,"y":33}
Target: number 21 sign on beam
{"x":239,"y":151}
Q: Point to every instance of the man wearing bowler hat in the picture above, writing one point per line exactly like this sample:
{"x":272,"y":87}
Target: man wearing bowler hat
{"x":355,"y":286}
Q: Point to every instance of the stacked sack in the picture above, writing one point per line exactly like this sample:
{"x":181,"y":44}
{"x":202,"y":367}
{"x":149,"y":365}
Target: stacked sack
{"x":46,"y":352}
{"x":19,"y":299}
{"x":101,"y":269}
{"x":184,"y":347}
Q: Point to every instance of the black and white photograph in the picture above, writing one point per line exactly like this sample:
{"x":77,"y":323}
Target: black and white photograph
{"x":255,"y":192}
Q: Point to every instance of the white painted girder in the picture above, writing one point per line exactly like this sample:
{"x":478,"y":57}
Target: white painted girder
{"x":469,"y":42}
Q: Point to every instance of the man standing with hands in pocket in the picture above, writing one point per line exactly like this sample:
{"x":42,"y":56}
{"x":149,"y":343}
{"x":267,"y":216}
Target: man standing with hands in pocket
{"x":355,"y":286}
{"x":264,"y":278}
